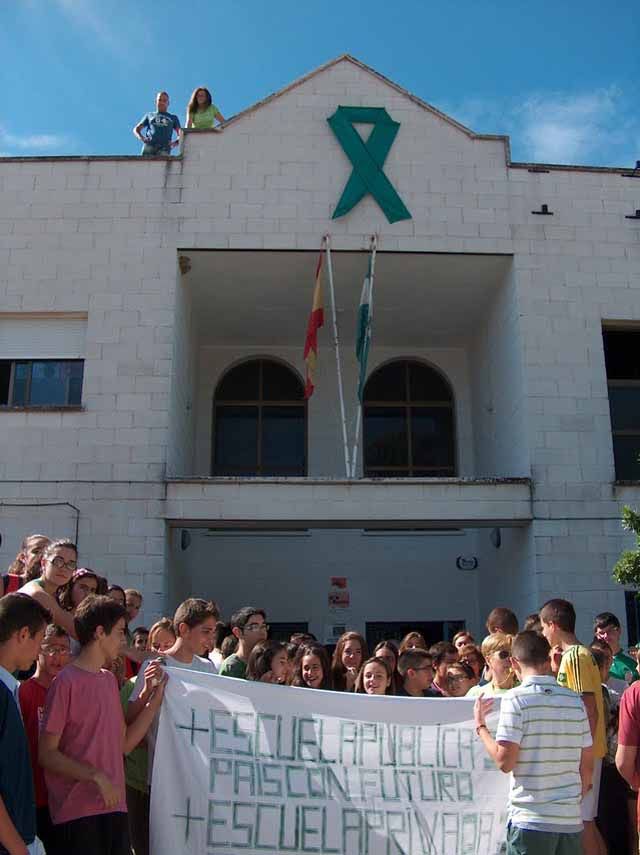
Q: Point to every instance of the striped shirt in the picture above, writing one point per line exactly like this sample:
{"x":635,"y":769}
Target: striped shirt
{"x":550,"y":725}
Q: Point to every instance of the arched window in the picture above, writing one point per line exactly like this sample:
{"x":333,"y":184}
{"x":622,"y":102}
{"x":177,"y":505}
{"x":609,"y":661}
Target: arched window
{"x":260,"y":421}
{"x":408,"y":422}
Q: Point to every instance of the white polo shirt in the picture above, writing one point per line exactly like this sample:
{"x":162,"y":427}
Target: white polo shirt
{"x":550,"y":725}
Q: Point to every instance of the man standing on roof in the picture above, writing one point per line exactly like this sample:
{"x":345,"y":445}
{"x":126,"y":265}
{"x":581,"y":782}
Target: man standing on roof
{"x":159,"y":127}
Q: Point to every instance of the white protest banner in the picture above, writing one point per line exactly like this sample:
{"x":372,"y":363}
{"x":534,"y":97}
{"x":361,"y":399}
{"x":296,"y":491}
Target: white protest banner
{"x":252,"y":767}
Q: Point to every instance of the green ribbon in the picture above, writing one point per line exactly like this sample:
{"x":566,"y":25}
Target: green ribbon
{"x":367,"y":159}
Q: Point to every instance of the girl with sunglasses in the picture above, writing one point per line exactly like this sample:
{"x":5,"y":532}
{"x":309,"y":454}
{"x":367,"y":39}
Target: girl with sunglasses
{"x":496,"y":650}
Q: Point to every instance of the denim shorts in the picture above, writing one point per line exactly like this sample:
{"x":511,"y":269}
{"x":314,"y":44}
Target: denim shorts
{"x":149,"y":150}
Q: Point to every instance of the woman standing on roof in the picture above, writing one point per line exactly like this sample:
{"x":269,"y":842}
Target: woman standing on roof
{"x":201,"y":111}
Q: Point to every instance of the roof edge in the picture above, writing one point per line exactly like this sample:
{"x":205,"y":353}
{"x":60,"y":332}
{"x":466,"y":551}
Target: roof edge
{"x":346,"y":57}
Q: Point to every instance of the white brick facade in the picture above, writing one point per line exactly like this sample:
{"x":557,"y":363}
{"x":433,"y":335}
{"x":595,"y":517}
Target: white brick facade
{"x":102,"y":236}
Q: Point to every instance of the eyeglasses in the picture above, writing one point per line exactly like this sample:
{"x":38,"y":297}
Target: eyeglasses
{"x":504,"y":654}
{"x":256,"y":627}
{"x":59,"y":562}
{"x":55,"y":651}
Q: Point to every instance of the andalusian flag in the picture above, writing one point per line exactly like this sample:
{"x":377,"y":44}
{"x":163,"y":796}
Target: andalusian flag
{"x":316,"y":320}
{"x":363,"y":332}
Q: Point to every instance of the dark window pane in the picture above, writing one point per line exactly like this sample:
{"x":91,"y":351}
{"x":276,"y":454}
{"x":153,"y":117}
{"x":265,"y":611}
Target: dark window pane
{"x":425,"y":384}
{"x":5,"y":380}
{"x":21,"y":374}
{"x":240,"y":384}
{"x":236,"y":440}
{"x":385,"y":437}
{"x":432,"y":436}
{"x":279,"y":383}
{"x":622,"y":354}
{"x":49,"y":383}
{"x":626,"y":451}
{"x":624,"y":403}
{"x":387,"y":383}
{"x":76,"y":374}
{"x":283,"y":440}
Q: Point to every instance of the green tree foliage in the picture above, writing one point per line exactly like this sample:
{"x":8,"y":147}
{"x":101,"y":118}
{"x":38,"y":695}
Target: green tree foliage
{"x":627,"y":568}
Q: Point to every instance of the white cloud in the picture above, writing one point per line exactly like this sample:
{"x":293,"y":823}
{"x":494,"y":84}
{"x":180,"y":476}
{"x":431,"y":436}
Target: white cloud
{"x":90,"y":17}
{"x":600,"y":127}
{"x":83,"y":15}
{"x":31,"y":143}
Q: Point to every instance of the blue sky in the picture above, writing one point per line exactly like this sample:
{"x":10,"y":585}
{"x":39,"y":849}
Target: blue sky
{"x":560,"y":77}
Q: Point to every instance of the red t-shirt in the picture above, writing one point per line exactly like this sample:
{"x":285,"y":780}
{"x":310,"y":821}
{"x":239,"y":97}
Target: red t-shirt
{"x":32,"y":696}
{"x":629,"y":724}
{"x":84,"y":709}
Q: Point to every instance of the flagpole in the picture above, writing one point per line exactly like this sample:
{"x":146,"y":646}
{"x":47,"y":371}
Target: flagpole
{"x":336,"y":345}
{"x":354,"y":456}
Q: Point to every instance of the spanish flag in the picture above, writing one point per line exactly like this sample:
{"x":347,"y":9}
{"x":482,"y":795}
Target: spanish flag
{"x":316,"y":320}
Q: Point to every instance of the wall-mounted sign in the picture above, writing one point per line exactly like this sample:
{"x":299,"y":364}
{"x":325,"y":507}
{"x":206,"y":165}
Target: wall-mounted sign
{"x":339,"y":597}
{"x":367,"y":159}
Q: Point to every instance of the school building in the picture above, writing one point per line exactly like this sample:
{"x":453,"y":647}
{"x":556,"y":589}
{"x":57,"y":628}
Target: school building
{"x":152,"y":321}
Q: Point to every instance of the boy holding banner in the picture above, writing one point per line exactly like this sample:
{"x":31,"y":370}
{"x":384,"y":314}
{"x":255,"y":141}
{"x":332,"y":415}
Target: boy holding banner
{"x":544,"y":740}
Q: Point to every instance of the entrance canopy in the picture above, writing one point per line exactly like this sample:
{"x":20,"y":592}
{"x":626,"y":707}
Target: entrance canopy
{"x":263,"y":297}
{"x":366,"y":503}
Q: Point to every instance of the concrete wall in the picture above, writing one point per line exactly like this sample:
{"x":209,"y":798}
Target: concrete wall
{"x":393,"y":577}
{"x":498,"y":389}
{"x":184,"y":381}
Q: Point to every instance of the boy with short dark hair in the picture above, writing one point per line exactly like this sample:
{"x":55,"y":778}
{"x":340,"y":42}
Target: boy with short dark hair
{"x":53,"y":656}
{"x":443,"y":654}
{"x":416,"y":669}
{"x":140,"y":637}
{"x":249,"y":626}
{"x":578,"y":671}
{"x":606,"y":627}
{"x":503,"y":620}
{"x":84,"y":737}
{"x":194,"y":624}
{"x":544,"y":740}
{"x":159,"y":126}
{"x":22,"y":625}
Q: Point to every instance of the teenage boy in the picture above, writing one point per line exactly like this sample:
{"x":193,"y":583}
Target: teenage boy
{"x":159,"y":126}
{"x":443,"y":654}
{"x":250,"y":627}
{"x":544,"y":741}
{"x":194,"y":624}
{"x":22,"y":625}
{"x":578,"y":671}
{"x":416,"y":669}
{"x":54,"y":655}
{"x":84,"y":737}
{"x":606,"y":627}
{"x":503,"y":620}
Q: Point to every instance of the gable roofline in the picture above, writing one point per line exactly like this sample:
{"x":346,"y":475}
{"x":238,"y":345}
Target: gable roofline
{"x":345,"y":57}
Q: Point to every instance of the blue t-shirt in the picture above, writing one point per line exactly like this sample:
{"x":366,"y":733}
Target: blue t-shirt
{"x":16,"y":779}
{"x":160,"y":128}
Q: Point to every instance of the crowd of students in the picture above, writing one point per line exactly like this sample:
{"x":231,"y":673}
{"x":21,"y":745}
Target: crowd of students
{"x":155,"y":129}
{"x":80,"y":690}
